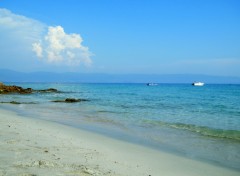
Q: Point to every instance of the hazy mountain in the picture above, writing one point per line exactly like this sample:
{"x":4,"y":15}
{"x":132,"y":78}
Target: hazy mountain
{"x":13,"y":76}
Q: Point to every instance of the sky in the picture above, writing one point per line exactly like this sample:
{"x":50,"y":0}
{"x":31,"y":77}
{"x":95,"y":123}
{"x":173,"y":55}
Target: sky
{"x":121,"y":36}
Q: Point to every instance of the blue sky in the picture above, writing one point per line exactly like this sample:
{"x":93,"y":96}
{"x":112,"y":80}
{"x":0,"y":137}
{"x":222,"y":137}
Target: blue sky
{"x":121,"y":36}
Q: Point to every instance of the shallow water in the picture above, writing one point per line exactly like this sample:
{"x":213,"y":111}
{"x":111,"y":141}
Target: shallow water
{"x":198,"y":122}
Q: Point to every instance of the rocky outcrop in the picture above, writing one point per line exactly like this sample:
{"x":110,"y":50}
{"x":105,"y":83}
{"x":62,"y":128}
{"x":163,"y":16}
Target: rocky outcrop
{"x":14,"y":89}
{"x":12,"y":102}
{"x":16,"y":102}
{"x":69,"y":100}
{"x":47,"y":90}
{"x":4,"y":89}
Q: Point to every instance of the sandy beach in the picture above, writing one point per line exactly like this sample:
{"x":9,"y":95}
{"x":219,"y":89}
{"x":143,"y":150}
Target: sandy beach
{"x":32,"y":147}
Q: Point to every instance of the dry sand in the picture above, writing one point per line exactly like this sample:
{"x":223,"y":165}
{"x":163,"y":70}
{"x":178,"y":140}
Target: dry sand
{"x":31,"y":147}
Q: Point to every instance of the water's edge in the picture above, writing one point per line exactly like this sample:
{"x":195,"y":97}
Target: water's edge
{"x":119,"y":135}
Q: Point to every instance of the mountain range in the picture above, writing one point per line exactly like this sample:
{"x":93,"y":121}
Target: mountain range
{"x":15,"y":76}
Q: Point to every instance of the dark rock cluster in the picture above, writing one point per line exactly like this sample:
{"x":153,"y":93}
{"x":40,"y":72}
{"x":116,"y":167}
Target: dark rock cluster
{"x":47,"y":90}
{"x":4,"y":89}
{"x":13,"y":89}
{"x":69,"y":100}
{"x":17,"y":103}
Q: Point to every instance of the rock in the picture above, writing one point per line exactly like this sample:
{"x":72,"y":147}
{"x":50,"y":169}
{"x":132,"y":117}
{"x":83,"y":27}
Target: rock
{"x":29,"y":89}
{"x":48,"y":90}
{"x":69,"y":100}
{"x":72,"y":100}
{"x":16,"y":89}
{"x":13,"y":89}
{"x":16,"y":102}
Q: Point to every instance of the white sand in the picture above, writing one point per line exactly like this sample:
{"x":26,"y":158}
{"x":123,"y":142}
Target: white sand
{"x":30,"y":147}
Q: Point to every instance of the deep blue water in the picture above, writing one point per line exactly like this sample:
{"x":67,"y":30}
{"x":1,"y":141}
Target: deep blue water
{"x":198,"y":122}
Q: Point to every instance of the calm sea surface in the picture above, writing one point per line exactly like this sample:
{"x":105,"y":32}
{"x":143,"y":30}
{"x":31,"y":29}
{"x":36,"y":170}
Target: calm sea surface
{"x":198,"y":122}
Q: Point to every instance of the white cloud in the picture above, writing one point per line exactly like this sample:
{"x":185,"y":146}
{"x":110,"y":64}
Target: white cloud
{"x":20,"y":27}
{"x":38,"y":49}
{"x":23,"y":39}
{"x":59,"y":47}
{"x":70,"y":54}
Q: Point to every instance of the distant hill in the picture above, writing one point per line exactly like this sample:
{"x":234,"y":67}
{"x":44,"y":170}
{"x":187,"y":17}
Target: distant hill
{"x":13,"y":76}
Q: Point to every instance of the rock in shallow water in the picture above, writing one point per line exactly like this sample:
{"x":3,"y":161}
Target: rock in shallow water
{"x":69,"y":100}
{"x":17,"y":103}
{"x":47,"y":90}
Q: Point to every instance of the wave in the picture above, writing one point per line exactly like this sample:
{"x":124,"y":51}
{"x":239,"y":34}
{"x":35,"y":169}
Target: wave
{"x":202,"y":130}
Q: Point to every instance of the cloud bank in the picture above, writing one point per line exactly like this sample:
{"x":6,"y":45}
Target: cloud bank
{"x":19,"y":28}
{"x":33,"y":41}
{"x":59,"y":47}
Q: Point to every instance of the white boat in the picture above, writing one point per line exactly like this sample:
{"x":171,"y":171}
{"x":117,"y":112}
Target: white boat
{"x":198,"y":84}
{"x":152,"y":84}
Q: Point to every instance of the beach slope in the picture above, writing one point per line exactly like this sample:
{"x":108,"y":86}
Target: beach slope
{"x":32,"y":147}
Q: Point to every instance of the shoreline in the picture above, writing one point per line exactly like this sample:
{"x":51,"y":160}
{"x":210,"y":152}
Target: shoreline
{"x":36,"y":147}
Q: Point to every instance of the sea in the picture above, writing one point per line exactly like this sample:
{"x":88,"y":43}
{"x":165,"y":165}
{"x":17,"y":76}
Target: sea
{"x":201,"y":123}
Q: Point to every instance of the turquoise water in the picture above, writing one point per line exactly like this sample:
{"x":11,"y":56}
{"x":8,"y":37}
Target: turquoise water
{"x":198,"y":122}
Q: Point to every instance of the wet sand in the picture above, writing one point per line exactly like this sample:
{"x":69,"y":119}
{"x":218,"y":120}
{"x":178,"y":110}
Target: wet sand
{"x":32,"y":147}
